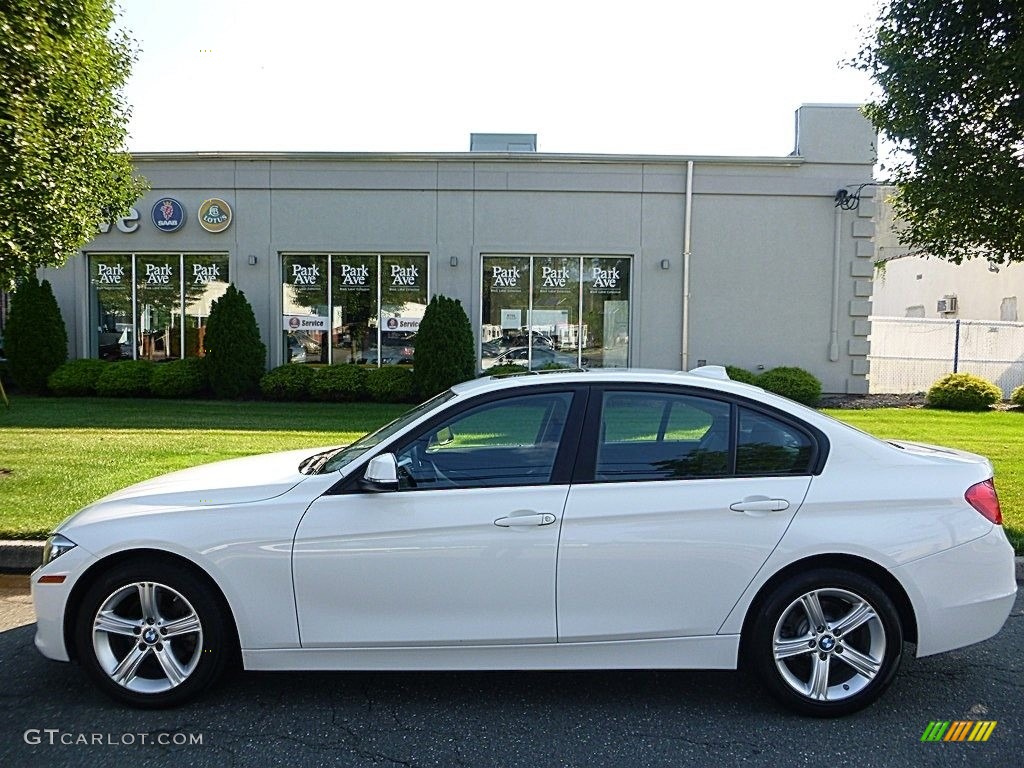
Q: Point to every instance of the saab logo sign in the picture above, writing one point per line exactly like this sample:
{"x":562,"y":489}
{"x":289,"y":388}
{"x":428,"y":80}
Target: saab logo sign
{"x":168,"y":215}
{"x":400,"y":323}
{"x":110,"y":274}
{"x":214,"y":215}
{"x":305,"y":323}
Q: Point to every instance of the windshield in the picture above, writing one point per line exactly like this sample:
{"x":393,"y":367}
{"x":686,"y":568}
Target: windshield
{"x":332,"y":461}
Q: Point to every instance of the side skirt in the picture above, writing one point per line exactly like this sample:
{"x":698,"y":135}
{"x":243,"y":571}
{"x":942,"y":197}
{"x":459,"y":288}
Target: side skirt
{"x":711,"y":652}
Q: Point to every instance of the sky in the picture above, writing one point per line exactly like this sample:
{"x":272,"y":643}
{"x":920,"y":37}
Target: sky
{"x":637,"y":77}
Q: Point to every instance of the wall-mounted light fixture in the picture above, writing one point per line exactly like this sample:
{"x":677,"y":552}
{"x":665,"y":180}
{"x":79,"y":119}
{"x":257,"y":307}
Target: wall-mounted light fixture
{"x":252,"y":259}
{"x":665,"y":263}
{"x":453,"y":261}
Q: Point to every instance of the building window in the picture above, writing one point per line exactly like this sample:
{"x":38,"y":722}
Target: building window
{"x":152,"y":306}
{"x":1008,"y":309}
{"x":546,"y":311}
{"x":352,"y":308}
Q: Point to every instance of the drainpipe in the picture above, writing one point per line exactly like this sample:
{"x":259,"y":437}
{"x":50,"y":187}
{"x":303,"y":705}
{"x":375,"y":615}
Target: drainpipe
{"x":686,"y":266}
{"x":833,"y":347}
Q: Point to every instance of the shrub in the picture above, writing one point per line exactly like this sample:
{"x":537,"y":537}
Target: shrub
{"x":235,"y":356}
{"x":390,"y":384}
{"x":963,"y":392}
{"x":794,"y":383}
{"x":128,"y":378}
{"x":554,"y":367}
{"x":76,"y":378}
{"x":741,"y":374}
{"x":179,"y":378}
{"x":290,"y":381}
{"x":1017,"y":398}
{"x":445,"y":353}
{"x":339,"y":383}
{"x":505,"y":369}
{"x":35,"y":339}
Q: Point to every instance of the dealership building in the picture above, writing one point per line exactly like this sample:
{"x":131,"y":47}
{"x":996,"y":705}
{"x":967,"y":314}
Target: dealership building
{"x":574,"y":259}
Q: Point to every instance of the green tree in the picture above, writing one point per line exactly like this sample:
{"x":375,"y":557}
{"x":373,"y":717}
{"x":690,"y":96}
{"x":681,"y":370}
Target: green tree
{"x":444,"y":347}
{"x":62,"y":129}
{"x":951,"y":76}
{"x":235,"y":356}
{"x":35,"y":339}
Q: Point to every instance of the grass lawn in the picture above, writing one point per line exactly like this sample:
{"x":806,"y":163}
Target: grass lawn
{"x":62,"y":453}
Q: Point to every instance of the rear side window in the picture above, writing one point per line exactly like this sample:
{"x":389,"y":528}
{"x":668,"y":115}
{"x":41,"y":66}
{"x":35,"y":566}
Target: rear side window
{"x":767,"y":446}
{"x":661,"y":436}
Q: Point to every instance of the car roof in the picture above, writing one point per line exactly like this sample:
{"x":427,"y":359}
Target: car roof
{"x":710,"y":377}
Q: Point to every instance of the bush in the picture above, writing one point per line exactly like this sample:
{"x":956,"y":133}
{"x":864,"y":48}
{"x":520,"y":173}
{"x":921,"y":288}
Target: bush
{"x":963,"y":392}
{"x":339,"y":383}
{"x":76,"y":378}
{"x":128,"y":378}
{"x":1017,"y":398}
{"x":235,"y":356}
{"x":179,"y":378}
{"x":505,"y":369}
{"x":741,"y":374}
{"x":390,"y":384}
{"x":794,"y":383}
{"x":35,"y":339}
{"x":290,"y":381}
{"x":445,"y":352}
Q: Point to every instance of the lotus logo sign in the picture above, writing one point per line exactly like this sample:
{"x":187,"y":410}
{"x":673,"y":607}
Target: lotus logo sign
{"x":214,"y":215}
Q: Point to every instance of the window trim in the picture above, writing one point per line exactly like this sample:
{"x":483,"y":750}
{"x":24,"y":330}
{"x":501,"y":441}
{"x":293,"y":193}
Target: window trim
{"x":584,"y":471}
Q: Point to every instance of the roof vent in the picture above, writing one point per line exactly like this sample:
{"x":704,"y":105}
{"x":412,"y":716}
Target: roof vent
{"x":503,"y":142}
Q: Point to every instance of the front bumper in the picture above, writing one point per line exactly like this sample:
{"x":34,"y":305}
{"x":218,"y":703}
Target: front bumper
{"x":51,"y":601}
{"x":963,"y":595}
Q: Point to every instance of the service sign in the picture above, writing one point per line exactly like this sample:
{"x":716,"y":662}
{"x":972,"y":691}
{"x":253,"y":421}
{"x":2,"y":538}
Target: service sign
{"x":399,"y":323}
{"x":168,"y":215}
{"x":306,"y":323}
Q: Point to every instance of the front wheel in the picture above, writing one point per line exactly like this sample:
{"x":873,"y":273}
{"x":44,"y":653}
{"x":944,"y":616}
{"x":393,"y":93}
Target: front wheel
{"x":151,"y":634}
{"x":826,"y":643}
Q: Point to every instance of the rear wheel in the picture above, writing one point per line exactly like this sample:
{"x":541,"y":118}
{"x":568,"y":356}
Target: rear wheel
{"x":826,"y":643}
{"x":152,"y":635}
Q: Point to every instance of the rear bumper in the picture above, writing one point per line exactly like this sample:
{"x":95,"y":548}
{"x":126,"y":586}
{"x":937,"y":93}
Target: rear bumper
{"x":963,"y":595}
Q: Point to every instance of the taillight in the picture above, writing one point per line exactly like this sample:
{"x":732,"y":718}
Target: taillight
{"x":983,"y":497}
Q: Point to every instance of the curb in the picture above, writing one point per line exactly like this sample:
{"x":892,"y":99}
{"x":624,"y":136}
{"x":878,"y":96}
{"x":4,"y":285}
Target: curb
{"x":20,"y":556}
{"x":25,"y":557}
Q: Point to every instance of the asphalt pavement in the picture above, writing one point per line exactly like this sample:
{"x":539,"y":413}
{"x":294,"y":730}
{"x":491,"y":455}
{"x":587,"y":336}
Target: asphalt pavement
{"x":51,"y":715}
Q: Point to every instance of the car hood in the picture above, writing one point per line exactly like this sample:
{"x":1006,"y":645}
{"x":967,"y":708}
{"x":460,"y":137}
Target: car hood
{"x":235,"y":481}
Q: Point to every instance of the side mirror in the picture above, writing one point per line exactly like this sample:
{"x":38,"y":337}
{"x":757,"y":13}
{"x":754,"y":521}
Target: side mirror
{"x":381,"y":474}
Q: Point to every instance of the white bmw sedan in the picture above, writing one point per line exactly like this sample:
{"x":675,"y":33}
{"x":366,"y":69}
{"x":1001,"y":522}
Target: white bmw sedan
{"x":602,"y":519}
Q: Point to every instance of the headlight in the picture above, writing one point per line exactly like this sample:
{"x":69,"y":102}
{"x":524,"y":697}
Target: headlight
{"x":56,"y":546}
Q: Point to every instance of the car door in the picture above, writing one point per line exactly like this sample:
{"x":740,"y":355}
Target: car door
{"x":465,"y":550}
{"x":682,"y":497}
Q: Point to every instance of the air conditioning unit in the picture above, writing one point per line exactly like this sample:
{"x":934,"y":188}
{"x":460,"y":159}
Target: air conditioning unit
{"x":946,"y":305}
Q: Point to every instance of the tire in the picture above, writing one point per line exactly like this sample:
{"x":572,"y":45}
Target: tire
{"x":826,"y":643}
{"x":159,"y":656}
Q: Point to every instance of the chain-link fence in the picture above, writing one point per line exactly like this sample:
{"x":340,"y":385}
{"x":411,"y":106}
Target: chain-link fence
{"x":910,"y":354}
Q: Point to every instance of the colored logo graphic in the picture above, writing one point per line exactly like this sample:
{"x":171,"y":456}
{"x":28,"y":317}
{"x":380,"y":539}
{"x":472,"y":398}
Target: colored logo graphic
{"x":959,"y":730}
{"x":214,"y":215}
{"x":168,"y":215}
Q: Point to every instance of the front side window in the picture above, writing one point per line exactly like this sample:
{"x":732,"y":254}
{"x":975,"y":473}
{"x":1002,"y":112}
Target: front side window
{"x":508,"y":442}
{"x":660,"y":436}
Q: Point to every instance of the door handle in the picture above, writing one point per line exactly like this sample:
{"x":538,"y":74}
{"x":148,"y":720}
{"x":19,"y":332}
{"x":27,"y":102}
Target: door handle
{"x":521,"y":521}
{"x":759,"y":504}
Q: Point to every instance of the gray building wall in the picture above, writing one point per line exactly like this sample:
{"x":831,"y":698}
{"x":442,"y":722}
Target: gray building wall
{"x":764,"y":263}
